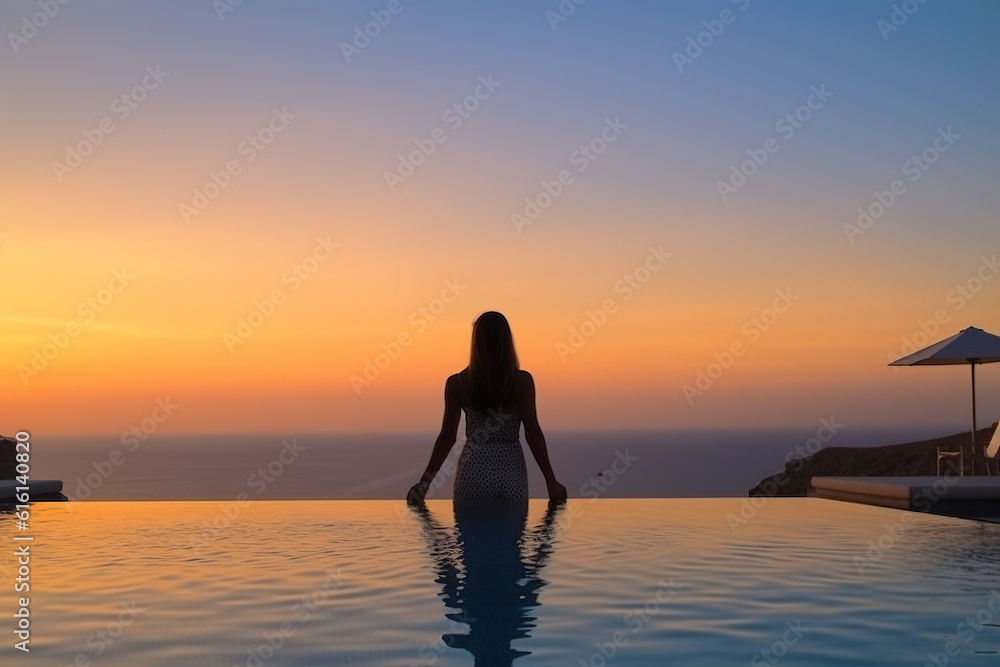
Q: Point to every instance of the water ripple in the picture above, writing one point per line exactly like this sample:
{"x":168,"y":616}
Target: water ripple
{"x":641,"y":581}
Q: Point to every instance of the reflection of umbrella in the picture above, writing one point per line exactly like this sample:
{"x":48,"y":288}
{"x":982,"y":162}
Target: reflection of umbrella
{"x":971,"y":346}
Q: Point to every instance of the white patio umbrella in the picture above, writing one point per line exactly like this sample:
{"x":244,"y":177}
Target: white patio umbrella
{"x":970,"y":346}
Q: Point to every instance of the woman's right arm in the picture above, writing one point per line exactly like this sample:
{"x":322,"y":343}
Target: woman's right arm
{"x":445,"y":441}
{"x":536,"y":440}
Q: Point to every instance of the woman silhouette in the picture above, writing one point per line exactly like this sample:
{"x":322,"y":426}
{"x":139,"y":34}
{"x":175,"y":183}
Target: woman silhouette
{"x":496,"y":396}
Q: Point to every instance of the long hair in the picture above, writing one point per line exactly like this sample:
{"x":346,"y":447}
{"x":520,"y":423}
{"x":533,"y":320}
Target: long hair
{"x":493,"y":367}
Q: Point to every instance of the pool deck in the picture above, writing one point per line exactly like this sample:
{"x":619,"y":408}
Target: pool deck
{"x":970,"y":497}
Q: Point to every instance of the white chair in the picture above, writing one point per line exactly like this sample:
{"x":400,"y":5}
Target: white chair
{"x":951,"y":452}
{"x":991,"y":459}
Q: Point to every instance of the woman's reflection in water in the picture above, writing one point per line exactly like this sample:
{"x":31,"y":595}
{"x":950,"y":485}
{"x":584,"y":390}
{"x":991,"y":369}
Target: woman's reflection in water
{"x":488,"y":567}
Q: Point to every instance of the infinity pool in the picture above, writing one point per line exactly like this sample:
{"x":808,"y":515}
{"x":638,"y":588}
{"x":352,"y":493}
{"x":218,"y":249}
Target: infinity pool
{"x":612,"y":581}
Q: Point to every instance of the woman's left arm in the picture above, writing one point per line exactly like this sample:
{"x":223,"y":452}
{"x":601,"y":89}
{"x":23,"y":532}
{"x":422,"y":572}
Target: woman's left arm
{"x":445,"y":441}
{"x":533,"y":435}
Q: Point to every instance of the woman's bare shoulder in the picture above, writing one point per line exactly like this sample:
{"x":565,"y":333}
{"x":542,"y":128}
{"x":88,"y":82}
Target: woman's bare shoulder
{"x":456,"y":382}
{"x":525,"y":379}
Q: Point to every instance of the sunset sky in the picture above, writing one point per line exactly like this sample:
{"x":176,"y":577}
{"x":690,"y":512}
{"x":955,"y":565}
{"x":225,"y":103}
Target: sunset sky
{"x":239,"y":211}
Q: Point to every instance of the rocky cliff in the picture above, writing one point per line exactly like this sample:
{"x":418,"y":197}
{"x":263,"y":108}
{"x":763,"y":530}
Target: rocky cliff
{"x":7,"y":461}
{"x":912,"y":458}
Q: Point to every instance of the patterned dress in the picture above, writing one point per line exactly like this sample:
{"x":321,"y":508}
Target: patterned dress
{"x":491,"y":468}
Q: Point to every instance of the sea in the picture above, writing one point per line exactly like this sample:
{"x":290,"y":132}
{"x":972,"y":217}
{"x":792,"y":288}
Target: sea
{"x":676,"y":463}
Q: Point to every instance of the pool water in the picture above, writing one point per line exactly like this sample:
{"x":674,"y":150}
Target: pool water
{"x":796,"y":581}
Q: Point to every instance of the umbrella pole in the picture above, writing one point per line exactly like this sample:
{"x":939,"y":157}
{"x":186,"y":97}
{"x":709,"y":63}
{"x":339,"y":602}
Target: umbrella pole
{"x":973,"y":365}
